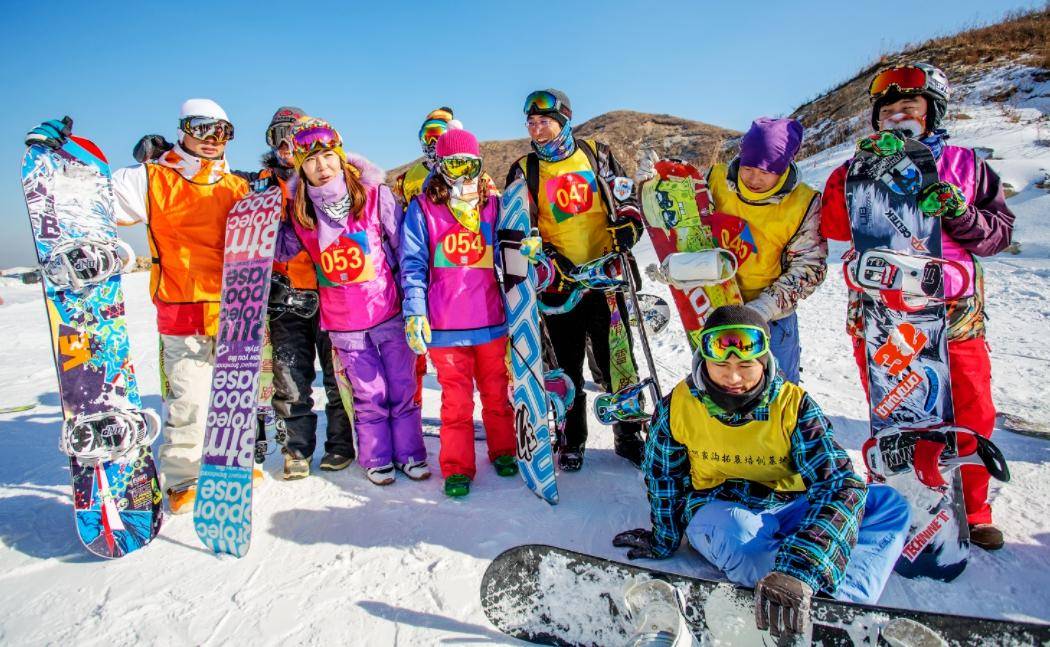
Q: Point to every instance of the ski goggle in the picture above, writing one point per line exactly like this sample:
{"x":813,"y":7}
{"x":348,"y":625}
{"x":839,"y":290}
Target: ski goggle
{"x":541,"y":101}
{"x":431,"y":130}
{"x":203,"y":128}
{"x":277,"y":134}
{"x":907,"y":79}
{"x":312,"y":138}
{"x":746,"y":342}
{"x":460,"y":167}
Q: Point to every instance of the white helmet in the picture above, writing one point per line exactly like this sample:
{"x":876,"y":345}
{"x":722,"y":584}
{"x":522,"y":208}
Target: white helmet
{"x":202,"y":108}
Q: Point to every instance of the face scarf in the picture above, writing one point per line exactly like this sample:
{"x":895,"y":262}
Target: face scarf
{"x":558,"y":148}
{"x":195,"y":169}
{"x":732,"y":403}
{"x":463,"y":203}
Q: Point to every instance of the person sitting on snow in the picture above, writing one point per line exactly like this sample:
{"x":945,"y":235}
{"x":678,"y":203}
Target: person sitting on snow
{"x":745,"y":465}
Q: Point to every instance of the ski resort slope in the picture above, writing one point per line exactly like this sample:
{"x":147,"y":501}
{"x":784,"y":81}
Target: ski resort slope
{"x":336,"y":560}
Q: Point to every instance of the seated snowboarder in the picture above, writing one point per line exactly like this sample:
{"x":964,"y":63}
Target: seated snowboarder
{"x":744,"y":463}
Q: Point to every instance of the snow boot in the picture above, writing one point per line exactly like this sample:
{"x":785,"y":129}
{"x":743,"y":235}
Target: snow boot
{"x":382,"y":475}
{"x":296,"y":466}
{"x":457,"y":485}
{"x":629,"y":445}
{"x":506,"y":465}
{"x":986,"y":536}
{"x":332,"y":462}
{"x":570,"y":460}
{"x":415,"y":470}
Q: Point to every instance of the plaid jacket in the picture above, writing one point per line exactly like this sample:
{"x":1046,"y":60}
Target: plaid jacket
{"x":817,"y":553}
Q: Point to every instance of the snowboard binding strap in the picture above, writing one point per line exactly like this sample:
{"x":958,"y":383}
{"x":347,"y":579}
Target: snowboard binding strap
{"x":903,"y":282}
{"x":689,"y":270}
{"x":82,"y":262}
{"x":108,"y":435}
{"x":626,"y":405}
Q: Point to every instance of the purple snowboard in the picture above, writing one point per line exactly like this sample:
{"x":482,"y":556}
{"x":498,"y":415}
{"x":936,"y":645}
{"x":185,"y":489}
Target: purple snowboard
{"x":222,"y":512}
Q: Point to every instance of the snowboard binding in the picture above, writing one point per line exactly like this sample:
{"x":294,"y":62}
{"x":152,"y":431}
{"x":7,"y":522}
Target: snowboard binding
{"x":560,"y":395}
{"x":284,"y":298}
{"x":627,"y":404}
{"x":927,"y":450}
{"x":689,"y":270}
{"x":79,"y":263}
{"x":903,"y":282}
{"x":657,"y":609}
{"x":108,"y":435}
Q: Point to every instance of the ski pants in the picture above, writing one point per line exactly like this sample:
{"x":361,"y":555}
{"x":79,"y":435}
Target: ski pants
{"x":421,"y":370}
{"x":743,"y":543}
{"x":971,"y":375}
{"x":297,"y":342}
{"x":570,"y":334}
{"x":784,"y":342}
{"x":186,"y":364}
{"x":381,"y":369}
{"x":458,"y":369}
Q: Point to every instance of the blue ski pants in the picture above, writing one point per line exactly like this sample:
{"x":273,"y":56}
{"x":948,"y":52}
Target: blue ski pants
{"x":743,"y":543}
{"x":784,"y":342}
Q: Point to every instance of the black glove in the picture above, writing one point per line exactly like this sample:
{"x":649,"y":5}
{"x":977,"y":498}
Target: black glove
{"x":782,"y":604}
{"x":53,"y":133}
{"x":563,"y":269}
{"x":151,"y":147}
{"x":625,"y":234}
{"x":640,"y":542}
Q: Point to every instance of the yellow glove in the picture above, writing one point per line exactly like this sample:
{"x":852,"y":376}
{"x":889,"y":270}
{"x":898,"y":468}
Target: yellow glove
{"x":417,"y":333}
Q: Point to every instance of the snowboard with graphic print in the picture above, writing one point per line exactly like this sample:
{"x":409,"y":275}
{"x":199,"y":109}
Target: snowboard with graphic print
{"x":222,"y":510}
{"x":116,"y":498}
{"x":535,"y":453}
{"x":677,"y":210}
{"x":553,"y":596}
{"x":905,"y":339}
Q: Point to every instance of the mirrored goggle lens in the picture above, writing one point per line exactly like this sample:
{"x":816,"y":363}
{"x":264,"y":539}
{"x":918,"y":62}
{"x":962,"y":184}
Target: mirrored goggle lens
{"x":277,"y":134}
{"x":906,"y":79}
{"x":204,"y":128}
{"x":310,"y":139}
{"x":746,"y":342}
{"x":457,"y":167}
{"x":431,"y":130}
{"x":540,"y":101}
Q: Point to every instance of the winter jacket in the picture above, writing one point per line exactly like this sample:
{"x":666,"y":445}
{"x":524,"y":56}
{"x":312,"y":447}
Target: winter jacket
{"x":576,"y":205}
{"x":781,"y":253}
{"x":448,"y":274}
{"x":355,"y":259}
{"x":184,"y":200}
{"x":818,"y":552}
{"x":984,"y":230}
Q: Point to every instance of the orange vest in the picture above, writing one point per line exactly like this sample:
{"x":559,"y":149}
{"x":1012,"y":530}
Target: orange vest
{"x":299,"y":269}
{"x":187,"y":234}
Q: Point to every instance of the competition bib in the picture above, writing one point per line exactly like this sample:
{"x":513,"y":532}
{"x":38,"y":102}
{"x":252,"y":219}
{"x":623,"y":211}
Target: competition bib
{"x":571,"y":194}
{"x":347,"y":260}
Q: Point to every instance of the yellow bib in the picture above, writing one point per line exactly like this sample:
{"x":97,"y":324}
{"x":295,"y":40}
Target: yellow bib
{"x":572,"y":215}
{"x":413,"y":182}
{"x":757,"y":234}
{"x":755,"y":451}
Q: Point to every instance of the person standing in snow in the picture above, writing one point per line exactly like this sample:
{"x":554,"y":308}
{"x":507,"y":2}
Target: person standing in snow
{"x":745,"y":465}
{"x":770,"y":220}
{"x":348,"y":221}
{"x":453,"y":306}
{"x":584,"y":207}
{"x":975,"y":221}
{"x":183,"y":197}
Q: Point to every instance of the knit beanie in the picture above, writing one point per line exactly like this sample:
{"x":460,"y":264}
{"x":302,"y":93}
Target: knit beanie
{"x":457,"y":142}
{"x":771,"y":144}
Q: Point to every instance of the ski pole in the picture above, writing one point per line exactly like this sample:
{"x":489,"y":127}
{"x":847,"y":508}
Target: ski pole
{"x":641,"y":325}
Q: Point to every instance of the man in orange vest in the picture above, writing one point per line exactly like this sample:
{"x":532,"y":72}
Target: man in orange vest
{"x":183,"y":197}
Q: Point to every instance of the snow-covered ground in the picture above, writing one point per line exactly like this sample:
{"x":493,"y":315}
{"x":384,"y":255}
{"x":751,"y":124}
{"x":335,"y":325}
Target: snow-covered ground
{"x":336,"y":560}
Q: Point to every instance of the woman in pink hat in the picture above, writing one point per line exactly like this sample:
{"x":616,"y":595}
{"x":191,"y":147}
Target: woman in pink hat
{"x":454,"y":309}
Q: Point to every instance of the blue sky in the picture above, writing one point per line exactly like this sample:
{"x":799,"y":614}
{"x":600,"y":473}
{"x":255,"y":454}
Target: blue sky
{"x":122,"y":69}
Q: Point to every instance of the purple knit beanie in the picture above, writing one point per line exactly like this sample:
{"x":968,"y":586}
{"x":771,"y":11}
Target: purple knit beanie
{"x":457,"y":142}
{"x":771,"y":144}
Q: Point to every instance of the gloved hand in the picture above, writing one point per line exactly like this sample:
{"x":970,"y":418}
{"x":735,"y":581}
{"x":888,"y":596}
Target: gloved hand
{"x":639,"y":541}
{"x":52,"y":133}
{"x":532,"y":248}
{"x":417,"y":333}
{"x":150,"y":148}
{"x":625,"y":234}
{"x":883,"y":143}
{"x":942,"y":200}
{"x":563,"y":269}
{"x":782,"y":604}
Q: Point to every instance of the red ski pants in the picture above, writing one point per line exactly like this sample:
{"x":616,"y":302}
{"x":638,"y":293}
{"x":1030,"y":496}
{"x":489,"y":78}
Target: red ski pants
{"x":421,"y":370}
{"x":971,"y":374}
{"x":458,"y":368}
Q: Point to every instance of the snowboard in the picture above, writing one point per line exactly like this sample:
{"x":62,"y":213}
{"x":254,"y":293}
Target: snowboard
{"x":69,"y":196}
{"x":223,"y":507}
{"x":552,"y":596}
{"x":906,"y":347}
{"x":676,"y":207}
{"x":535,"y":453}
{"x":656,"y":313}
